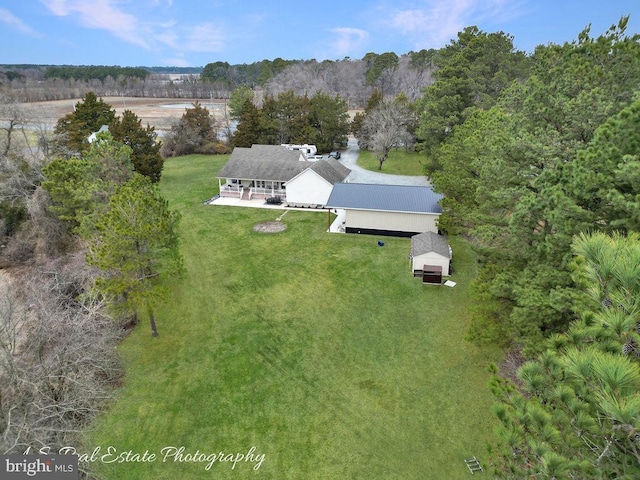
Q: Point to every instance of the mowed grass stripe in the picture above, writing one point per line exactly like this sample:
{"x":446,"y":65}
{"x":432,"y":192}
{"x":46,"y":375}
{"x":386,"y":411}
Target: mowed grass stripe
{"x":319,"y":349}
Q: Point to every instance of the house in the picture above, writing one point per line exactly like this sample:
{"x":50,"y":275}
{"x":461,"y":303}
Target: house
{"x":264,"y":171}
{"x":394,"y":210}
{"x":429,"y":250}
{"x":94,"y":136}
{"x":313,"y":185}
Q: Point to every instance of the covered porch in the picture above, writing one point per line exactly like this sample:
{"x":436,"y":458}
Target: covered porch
{"x":249,"y":189}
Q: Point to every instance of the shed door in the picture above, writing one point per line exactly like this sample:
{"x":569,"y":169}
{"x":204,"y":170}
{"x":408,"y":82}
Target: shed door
{"x":432,"y":274}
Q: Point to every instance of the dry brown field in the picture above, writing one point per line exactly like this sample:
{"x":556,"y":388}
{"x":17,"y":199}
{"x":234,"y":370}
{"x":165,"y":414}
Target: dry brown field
{"x":160,"y":113}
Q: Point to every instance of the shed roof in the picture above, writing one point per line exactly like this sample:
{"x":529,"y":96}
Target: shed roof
{"x":391,"y":198}
{"x":429,"y":242}
{"x":264,"y":162}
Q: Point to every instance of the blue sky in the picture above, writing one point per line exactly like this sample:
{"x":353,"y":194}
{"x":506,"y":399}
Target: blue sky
{"x":197,"y":32}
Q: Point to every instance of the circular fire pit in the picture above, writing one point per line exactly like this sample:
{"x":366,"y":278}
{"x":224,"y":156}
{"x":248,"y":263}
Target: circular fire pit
{"x":269,"y":227}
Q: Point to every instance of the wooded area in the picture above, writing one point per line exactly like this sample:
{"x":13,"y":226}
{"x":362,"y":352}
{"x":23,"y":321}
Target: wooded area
{"x":537,"y":157}
{"x":351,"y":79}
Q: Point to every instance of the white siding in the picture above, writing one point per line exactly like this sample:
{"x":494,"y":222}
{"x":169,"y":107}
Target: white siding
{"x":308,"y":188}
{"x":431,"y":258}
{"x":397,"y":221}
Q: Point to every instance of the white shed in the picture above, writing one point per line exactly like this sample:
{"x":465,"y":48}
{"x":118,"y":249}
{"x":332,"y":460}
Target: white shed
{"x":430,"y":249}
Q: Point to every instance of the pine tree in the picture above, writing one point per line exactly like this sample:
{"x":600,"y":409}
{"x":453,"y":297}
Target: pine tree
{"x":145,"y":149}
{"x":577,"y":411}
{"x":80,"y":188}
{"x":250,"y":126}
{"x":534,"y":173}
{"x":136,"y":248}
{"x":88,"y":117}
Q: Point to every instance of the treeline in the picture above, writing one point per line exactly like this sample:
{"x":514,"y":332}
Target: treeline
{"x":253,"y":74}
{"x":94,"y":72}
{"x":352,"y":79}
{"x":525,"y":171}
{"x":175,"y":70}
{"x":94,"y":242}
{"x":321,"y":120}
{"x":540,"y":172}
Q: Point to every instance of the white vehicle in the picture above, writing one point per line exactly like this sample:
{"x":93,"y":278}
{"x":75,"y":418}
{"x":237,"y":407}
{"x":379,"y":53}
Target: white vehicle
{"x":305,"y":148}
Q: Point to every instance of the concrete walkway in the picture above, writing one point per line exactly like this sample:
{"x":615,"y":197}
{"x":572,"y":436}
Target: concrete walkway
{"x":360,"y":175}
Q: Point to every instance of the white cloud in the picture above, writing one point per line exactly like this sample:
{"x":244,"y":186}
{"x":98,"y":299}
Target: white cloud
{"x":103,"y":15}
{"x":207,"y":37}
{"x":346,"y":41}
{"x":9,"y":19}
{"x":148,"y":31}
{"x":431,"y":23}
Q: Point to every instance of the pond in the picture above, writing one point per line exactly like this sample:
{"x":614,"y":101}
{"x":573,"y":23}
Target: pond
{"x":182,"y":106}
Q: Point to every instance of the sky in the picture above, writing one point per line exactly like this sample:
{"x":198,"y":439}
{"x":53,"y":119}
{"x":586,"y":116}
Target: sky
{"x":193,"y":33}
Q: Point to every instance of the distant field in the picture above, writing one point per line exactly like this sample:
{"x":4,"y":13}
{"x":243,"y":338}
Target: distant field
{"x":160,"y":113}
{"x":320,"y":350}
{"x":152,"y":111}
{"x":399,"y":162}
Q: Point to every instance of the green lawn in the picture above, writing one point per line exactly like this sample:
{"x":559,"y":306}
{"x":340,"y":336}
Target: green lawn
{"x":320,"y":350}
{"x":399,"y":162}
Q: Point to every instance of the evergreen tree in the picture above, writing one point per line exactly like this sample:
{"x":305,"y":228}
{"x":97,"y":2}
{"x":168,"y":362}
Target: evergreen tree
{"x":145,"y":149}
{"x":249,"y":126}
{"x":517,"y":163}
{"x":605,"y":177}
{"x":471,"y":73}
{"x":194,"y":133}
{"x":238,"y":100}
{"x":136,"y":248}
{"x":328,"y":120}
{"x":80,"y":188}
{"x":88,"y":117}
{"x":284,"y":118}
{"x":288,"y":118}
{"x":576,"y":413}
{"x":378,"y":65}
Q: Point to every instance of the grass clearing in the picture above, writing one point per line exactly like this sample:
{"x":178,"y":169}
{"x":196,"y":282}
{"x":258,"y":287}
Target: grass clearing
{"x":399,"y":162}
{"x":320,"y":350}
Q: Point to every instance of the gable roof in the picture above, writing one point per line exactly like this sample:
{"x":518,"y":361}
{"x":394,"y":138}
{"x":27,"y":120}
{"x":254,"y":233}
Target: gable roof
{"x":390,"y":198}
{"x":429,"y":242}
{"x":264,"y":162}
{"x":331,"y":170}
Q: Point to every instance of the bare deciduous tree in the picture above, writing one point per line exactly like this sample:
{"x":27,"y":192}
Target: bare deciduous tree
{"x":57,"y":361}
{"x":20,"y":171}
{"x":389,"y":125}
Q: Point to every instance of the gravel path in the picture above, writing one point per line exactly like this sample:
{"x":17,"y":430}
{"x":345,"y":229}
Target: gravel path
{"x":358,"y":174}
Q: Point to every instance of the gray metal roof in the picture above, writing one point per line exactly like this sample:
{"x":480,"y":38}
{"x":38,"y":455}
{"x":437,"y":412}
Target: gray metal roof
{"x":391,"y":198}
{"x":429,"y":242}
{"x":264,"y":162}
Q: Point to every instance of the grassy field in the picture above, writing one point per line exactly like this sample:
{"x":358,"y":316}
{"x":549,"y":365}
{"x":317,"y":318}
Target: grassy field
{"x":399,"y":162}
{"x":320,"y":350}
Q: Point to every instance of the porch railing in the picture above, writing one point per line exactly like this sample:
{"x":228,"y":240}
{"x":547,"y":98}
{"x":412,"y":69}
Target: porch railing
{"x":267,"y":192}
{"x":231,"y":189}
